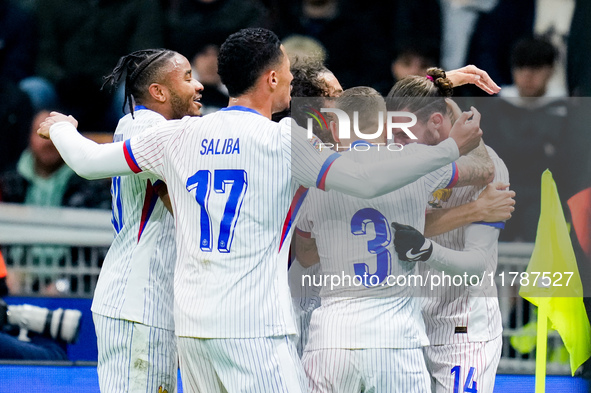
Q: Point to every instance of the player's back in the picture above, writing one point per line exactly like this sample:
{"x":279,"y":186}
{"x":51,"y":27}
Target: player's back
{"x":232,"y":188}
{"x":137,"y":275}
{"x":474,"y":308}
{"x":354,"y":237}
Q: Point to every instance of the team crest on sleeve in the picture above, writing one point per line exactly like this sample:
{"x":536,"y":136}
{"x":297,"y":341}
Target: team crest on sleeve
{"x":316,"y":143}
{"x":439,"y":196}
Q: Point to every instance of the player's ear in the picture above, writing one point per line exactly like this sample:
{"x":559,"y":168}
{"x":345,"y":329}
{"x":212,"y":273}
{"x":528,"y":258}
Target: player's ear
{"x":334,"y":131}
{"x":158,"y":92}
{"x":272,"y":79}
{"x":436,"y":120}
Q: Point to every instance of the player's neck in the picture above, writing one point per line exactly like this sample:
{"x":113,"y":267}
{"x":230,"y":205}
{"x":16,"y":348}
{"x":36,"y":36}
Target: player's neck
{"x":252,"y":101}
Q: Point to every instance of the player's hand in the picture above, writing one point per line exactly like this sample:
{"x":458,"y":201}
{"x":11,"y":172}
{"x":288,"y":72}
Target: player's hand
{"x":54,"y":117}
{"x":466,"y":131}
{"x":496,"y":202}
{"x":410,"y":244}
{"x":471,"y":74}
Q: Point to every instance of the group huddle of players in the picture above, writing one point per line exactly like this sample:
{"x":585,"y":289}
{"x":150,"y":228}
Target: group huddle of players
{"x":197,"y":273}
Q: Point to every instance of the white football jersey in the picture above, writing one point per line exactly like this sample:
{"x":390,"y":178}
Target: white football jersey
{"x":136,"y":279}
{"x":461,"y":314}
{"x":354,"y":236}
{"x":234,"y":191}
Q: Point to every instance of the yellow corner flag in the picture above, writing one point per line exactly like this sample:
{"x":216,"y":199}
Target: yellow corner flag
{"x":558,"y":289}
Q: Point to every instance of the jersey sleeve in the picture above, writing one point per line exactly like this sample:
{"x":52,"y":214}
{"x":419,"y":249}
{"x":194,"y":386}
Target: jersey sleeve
{"x":87,"y":158}
{"x":446,"y":177}
{"x":310,"y":159}
{"x":480,"y":242}
{"x":145,"y":152}
{"x":304,"y":225}
{"x":373,"y":179}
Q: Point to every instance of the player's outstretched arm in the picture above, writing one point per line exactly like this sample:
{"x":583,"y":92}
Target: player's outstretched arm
{"x":494,"y":204}
{"x":480,"y":241}
{"x":471,"y":74}
{"x":375,"y":179}
{"x":87,"y":158}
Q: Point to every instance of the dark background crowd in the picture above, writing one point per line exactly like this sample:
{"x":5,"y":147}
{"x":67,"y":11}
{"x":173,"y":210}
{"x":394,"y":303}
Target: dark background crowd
{"x":54,"y":54}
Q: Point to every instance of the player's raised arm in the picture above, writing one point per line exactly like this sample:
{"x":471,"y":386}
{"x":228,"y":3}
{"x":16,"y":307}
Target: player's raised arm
{"x":87,"y":158}
{"x":373,"y":180}
{"x":471,"y":74}
{"x":475,"y":168}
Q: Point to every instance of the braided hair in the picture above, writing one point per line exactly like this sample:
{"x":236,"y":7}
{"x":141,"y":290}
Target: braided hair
{"x":140,"y":68}
{"x":421,"y":95}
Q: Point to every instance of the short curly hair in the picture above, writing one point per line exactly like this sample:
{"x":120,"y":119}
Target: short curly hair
{"x":307,"y":78}
{"x":244,"y":56}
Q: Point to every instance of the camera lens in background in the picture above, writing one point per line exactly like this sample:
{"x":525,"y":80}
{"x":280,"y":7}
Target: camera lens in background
{"x":58,"y":324}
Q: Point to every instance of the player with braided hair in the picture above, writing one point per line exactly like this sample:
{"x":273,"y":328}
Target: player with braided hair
{"x":133,"y":301}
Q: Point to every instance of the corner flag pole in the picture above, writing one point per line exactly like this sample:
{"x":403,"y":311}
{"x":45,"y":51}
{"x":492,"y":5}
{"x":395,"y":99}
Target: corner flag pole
{"x":541,"y":349}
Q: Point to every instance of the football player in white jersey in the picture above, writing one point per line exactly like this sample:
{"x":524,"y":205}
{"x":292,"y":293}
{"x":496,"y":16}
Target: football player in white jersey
{"x":311,"y":79}
{"x":233,"y":317}
{"x":463,"y":322}
{"x":368,"y":337}
{"x":133,"y":301}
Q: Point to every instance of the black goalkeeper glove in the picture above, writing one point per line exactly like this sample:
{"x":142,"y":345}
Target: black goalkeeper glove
{"x":410,"y":244}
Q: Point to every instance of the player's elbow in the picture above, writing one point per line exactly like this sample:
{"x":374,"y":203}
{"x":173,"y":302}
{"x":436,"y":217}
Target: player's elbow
{"x":489,"y":176}
{"x":86,"y":171}
{"x":364,"y":186}
{"x":478,"y":263}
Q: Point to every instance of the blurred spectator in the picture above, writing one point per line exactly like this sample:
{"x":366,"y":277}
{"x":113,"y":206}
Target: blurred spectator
{"x":404,"y":35}
{"x":411,"y":62}
{"x":579,"y":45}
{"x":15,"y":116}
{"x":301,"y":46}
{"x":532,"y":66}
{"x":193,"y":24}
{"x":82,"y":40}
{"x":18,"y":42}
{"x":357,"y":50}
{"x":205,"y":69}
{"x":528,"y":129}
{"x":552,"y":20}
{"x":459,"y":19}
{"x":483,"y":32}
{"x":408,"y":62}
{"x":41,"y":178}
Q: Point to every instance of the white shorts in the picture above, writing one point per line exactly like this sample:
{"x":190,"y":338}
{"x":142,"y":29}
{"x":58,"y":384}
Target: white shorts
{"x":464,"y":366}
{"x":265,"y":364}
{"x":366,"y":370}
{"x":135,"y":358}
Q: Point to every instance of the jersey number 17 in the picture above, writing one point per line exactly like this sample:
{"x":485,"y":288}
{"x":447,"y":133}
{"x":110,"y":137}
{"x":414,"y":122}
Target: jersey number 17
{"x":201,"y":183}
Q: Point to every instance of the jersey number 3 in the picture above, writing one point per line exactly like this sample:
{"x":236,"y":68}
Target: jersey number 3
{"x":201,"y":183}
{"x":376,"y":246}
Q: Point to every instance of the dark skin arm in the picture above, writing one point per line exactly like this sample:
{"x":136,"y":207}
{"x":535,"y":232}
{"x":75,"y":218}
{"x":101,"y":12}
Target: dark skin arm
{"x":306,"y":251}
{"x":165,"y":198}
